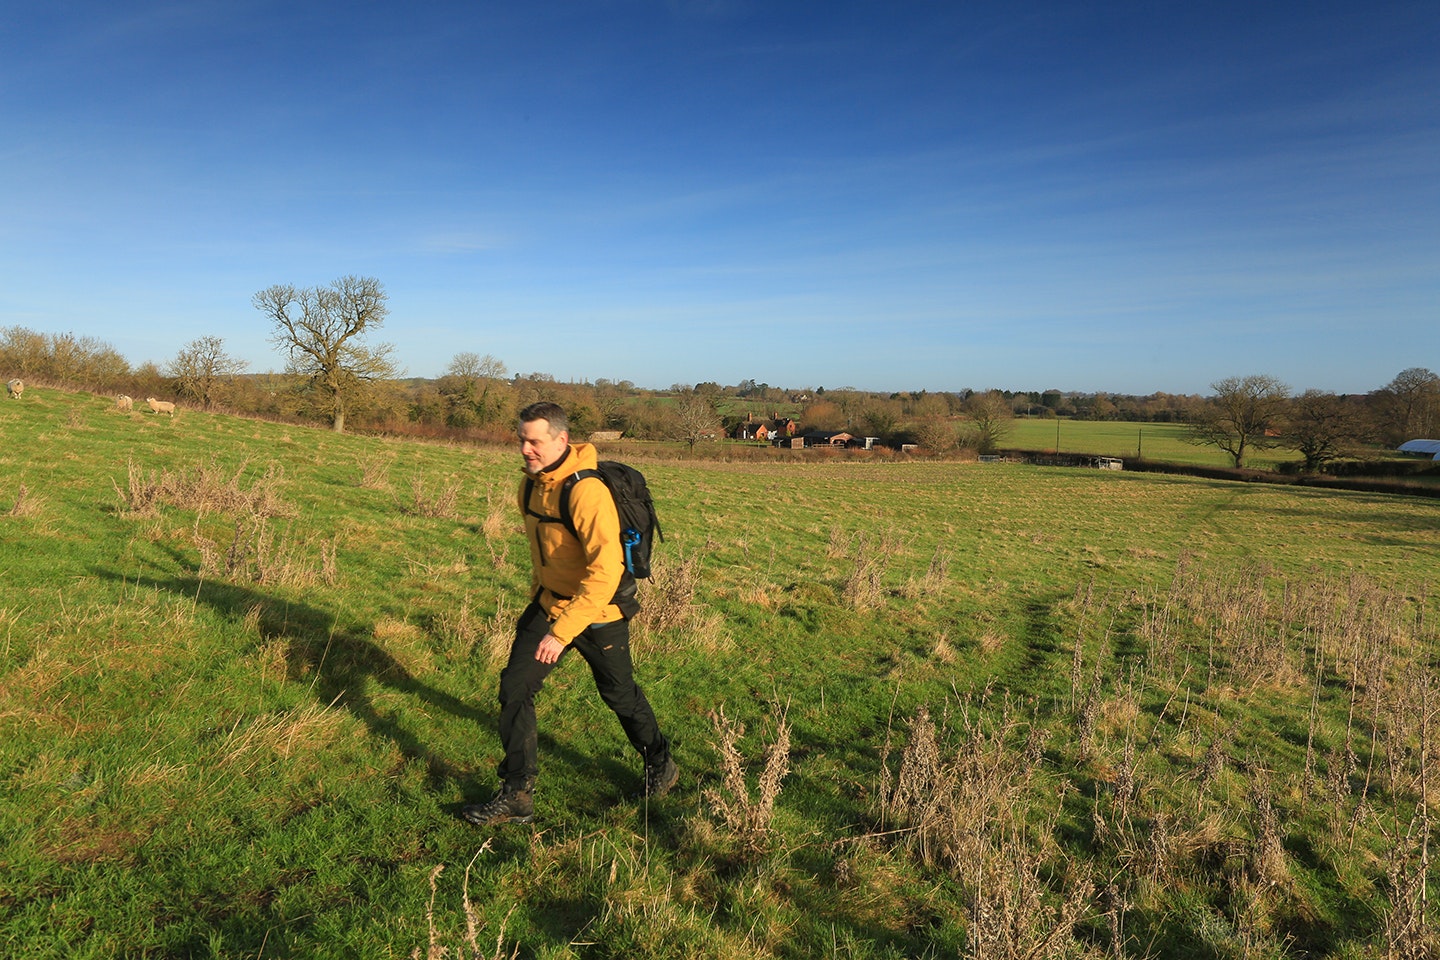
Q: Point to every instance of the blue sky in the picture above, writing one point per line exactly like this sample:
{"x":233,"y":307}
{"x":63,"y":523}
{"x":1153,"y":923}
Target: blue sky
{"x":1129,"y":197}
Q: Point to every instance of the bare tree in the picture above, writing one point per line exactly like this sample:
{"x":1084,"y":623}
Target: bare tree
{"x":320,"y":330}
{"x":936,"y":434}
{"x":62,"y":358}
{"x":472,"y":366}
{"x":201,"y":368}
{"x":1244,"y":415}
{"x":881,"y":417}
{"x":1410,"y":405}
{"x":990,"y":417}
{"x":695,"y":418}
{"x":609,"y":401}
{"x":823,"y":415}
{"x":1321,"y":425}
{"x":475,"y":391}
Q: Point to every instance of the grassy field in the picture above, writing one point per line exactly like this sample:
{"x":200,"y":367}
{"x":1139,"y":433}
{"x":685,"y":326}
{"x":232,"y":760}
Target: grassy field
{"x":1153,"y":441}
{"x":247,"y":678}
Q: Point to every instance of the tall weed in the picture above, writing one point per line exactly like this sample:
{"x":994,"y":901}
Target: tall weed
{"x":748,"y":813}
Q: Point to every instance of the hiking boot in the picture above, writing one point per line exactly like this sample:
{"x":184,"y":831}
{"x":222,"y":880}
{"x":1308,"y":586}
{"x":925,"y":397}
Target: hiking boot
{"x":660,"y":777}
{"x":511,"y":805}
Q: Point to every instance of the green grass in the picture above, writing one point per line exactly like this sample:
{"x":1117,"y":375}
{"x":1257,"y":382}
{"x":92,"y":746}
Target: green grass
{"x":239,"y":722}
{"x":1152,"y":441}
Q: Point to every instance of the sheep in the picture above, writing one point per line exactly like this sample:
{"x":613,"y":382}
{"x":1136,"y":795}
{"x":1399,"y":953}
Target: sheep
{"x":124,"y":403}
{"x":15,"y":388}
{"x":161,"y":406}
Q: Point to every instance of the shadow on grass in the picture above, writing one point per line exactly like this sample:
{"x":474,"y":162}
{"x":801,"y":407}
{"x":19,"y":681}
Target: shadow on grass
{"x":341,"y":667}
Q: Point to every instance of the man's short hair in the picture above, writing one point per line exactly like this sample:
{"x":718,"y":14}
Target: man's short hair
{"x":552,"y":413}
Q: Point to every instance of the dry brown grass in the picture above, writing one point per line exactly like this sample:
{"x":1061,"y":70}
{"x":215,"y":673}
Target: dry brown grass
{"x":499,"y":634}
{"x":257,"y":744}
{"x":205,"y":488}
{"x":26,"y":504}
{"x":500,"y":517}
{"x":471,"y":950}
{"x":262,"y":552}
{"x":748,"y":814}
{"x":863,"y":588}
{"x":961,"y":799}
{"x":933,"y":582}
{"x":990,"y":641}
{"x":406,"y":644}
{"x":375,"y":470}
{"x":670,"y":619}
{"x":439,"y":503}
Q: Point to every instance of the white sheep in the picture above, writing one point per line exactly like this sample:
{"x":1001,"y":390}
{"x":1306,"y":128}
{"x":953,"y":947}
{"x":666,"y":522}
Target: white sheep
{"x":124,"y":403}
{"x":161,"y":406}
{"x":15,"y":388}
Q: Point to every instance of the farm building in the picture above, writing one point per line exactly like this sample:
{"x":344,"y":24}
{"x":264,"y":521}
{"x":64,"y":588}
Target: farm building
{"x":1422,"y":448}
{"x":770,"y":430}
{"x":826,"y":438}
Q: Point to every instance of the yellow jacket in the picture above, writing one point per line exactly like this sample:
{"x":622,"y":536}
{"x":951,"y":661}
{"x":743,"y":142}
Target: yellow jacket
{"x":573,"y":579}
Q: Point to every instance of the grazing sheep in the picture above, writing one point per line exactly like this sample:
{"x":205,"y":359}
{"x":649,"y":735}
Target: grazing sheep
{"x":15,"y":388}
{"x":124,"y":403}
{"x":161,"y":406}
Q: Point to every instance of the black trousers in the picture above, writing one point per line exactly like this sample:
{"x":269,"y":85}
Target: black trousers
{"x":606,"y":647}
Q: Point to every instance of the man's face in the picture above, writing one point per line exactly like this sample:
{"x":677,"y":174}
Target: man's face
{"x":538,"y":448}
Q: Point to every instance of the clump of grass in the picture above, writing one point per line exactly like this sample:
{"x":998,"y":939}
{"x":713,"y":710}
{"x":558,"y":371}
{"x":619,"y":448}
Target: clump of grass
{"x":499,"y":515}
{"x":25,"y":505}
{"x":257,"y":549}
{"x":670,"y":618}
{"x":942,"y":800}
{"x":375,"y":471}
{"x":471,"y":950}
{"x":499,"y":633}
{"x":748,"y":814}
{"x":252,"y":746}
{"x":440,"y":504}
{"x":1014,"y":914}
{"x":261,"y":552}
{"x":863,"y":587}
{"x":989,"y":641}
{"x":204,"y":488}
{"x":458,"y":629}
{"x":932,"y":582}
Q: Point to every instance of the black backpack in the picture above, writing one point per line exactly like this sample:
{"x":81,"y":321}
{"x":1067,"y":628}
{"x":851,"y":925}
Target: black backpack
{"x":639,"y":526}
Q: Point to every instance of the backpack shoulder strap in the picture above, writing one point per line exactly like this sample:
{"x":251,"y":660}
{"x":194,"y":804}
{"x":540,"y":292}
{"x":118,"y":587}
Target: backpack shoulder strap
{"x":543,"y":518}
{"x":565,"y":515}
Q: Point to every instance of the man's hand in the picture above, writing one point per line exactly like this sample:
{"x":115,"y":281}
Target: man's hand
{"x":550,"y":649}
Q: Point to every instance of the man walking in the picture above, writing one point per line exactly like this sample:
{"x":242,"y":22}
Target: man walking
{"x":574,"y":582}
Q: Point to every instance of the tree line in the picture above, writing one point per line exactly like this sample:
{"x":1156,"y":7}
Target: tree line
{"x":334,"y":374}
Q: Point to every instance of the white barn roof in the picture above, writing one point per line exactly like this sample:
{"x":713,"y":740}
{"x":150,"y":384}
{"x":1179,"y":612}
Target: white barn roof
{"x":1431,"y":447}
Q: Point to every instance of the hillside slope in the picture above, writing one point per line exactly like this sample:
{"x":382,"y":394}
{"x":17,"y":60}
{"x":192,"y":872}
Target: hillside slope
{"x":248,"y":670}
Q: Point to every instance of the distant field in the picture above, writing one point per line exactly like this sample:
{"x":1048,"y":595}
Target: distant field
{"x":247,"y":678}
{"x":1153,"y":441}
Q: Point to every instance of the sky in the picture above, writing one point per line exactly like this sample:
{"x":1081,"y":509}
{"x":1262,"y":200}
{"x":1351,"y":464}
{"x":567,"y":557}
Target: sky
{"x":1127,"y":197}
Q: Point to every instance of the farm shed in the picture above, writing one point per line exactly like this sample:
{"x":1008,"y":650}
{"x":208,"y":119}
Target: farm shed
{"x":823,"y":439}
{"x":1422,"y":448}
